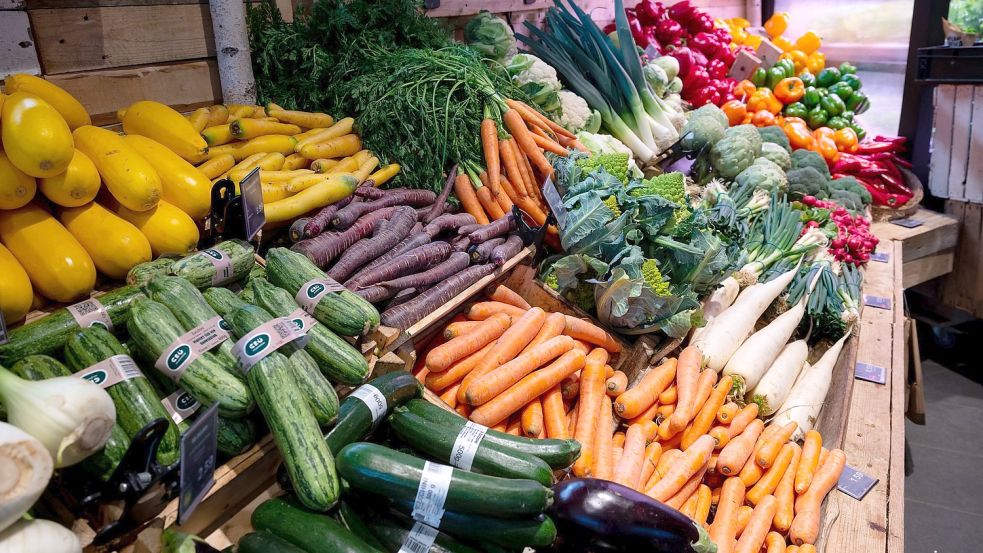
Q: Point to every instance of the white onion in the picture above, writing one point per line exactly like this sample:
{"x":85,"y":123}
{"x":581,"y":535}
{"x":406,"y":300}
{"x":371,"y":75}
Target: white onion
{"x":25,"y":468}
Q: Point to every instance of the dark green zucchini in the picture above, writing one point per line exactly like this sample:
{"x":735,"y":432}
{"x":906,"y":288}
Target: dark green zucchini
{"x":102,"y":463}
{"x":392,"y":528}
{"x":376,"y":469}
{"x":538,"y":531}
{"x":312,"y":532}
{"x":137,"y":404}
{"x":558,"y":454}
{"x":48,"y":334}
{"x":354,"y":417}
{"x":142,"y":273}
{"x":265,"y":542}
{"x":306,"y":456}
{"x":198,"y":270}
{"x":343,"y":312}
{"x":154,"y":328}
{"x":437,"y":441}
{"x":350,"y":517}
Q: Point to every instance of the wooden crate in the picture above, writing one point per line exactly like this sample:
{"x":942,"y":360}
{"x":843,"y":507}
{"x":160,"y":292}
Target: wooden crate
{"x":928,"y":250}
{"x":956,"y":165}
{"x":963,"y":288}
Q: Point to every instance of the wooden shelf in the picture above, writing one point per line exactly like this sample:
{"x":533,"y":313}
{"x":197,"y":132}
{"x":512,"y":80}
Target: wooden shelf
{"x":928,"y":250}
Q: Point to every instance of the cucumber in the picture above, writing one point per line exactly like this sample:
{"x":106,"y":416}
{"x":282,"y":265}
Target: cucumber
{"x":137,"y":404}
{"x":558,"y":454}
{"x":191,"y":310}
{"x":48,"y":334}
{"x":102,"y":463}
{"x":349,"y":516}
{"x":338,"y":359}
{"x":376,"y":469}
{"x":343,"y":312}
{"x":222,"y":300}
{"x":392,"y":528}
{"x":306,"y":456}
{"x":355,"y":419}
{"x":538,"y":531}
{"x":312,"y":532}
{"x":198,"y":270}
{"x":265,"y":542}
{"x":437,"y":441}
{"x":154,"y":328}
{"x":142,"y":273}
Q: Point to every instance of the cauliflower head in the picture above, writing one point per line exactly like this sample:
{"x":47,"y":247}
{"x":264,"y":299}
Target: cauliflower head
{"x":576,"y":115}
{"x":527,"y":68}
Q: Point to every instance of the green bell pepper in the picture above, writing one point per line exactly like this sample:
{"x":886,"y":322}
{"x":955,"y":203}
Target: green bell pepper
{"x":811,"y":97}
{"x":808,"y":79}
{"x":788,"y":67}
{"x":841,"y":89}
{"x":817,"y":117}
{"x":796,"y":109}
{"x":848,"y":68}
{"x":775,"y":75}
{"x":760,"y":77}
{"x":861,"y":132}
{"x":836,"y":123}
{"x":833,"y":104}
{"x":848,"y":115}
{"x":857,"y":102}
{"x":852,"y":80}
{"x":828,"y":77}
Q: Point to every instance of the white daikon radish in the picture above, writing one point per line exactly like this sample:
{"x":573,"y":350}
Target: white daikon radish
{"x":25,"y":468}
{"x":38,"y":535}
{"x":803,"y":404}
{"x":721,"y":298}
{"x":753,"y":359}
{"x":777,"y":382}
{"x":728,"y":330}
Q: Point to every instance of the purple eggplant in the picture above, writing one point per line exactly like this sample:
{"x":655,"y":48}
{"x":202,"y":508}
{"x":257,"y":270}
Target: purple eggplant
{"x":605,"y":516}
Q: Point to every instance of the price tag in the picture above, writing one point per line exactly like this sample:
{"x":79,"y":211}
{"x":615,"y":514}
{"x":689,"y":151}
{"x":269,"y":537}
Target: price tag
{"x":877,"y":301}
{"x":870,"y":373}
{"x":907,"y":222}
{"x":880,"y":257}
{"x":253,"y":214}
{"x":197,"y":471}
{"x":373,"y":399}
{"x":312,"y":291}
{"x":180,"y":405}
{"x":419,"y":540}
{"x":3,"y":329}
{"x":855,"y":483}
{"x":111,"y":371}
{"x":555,"y":202}
{"x":466,"y":445}
{"x":428,"y":507}
{"x":652,"y":52}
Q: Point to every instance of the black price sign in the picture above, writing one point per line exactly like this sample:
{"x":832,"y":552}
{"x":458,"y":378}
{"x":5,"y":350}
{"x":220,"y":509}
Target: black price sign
{"x":197,"y":472}
{"x":253,"y":214}
{"x":555,"y":202}
{"x":3,"y":329}
{"x":907,"y":222}
{"x":854,"y":483}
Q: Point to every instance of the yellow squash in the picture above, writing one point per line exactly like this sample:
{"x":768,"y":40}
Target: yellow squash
{"x":184,"y":185}
{"x":199,"y":119}
{"x":59,"y":267}
{"x":16,"y":187}
{"x":59,"y":98}
{"x":217,"y":115}
{"x":16,"y":294}
{"x":167,"y":228}
{"x":161,"y":123}
{"x":78,"y":185}
{"x":35,"y":136}
{"x":217,"y":166}
{"x":331,"y":189}
{"x":114,"y":244}
{"x":217,"y":135}
{"x":130,"y":178}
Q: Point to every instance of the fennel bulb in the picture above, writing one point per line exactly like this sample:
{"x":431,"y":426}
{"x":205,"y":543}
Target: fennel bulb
{"x":25,"y":468}
{"x":39,"y":535}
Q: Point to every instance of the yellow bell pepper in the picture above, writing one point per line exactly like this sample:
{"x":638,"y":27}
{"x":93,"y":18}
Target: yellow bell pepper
{"x":816,"y":62}
{"x":783,"y":43}
{"x":752,"y":40}
{"x":739,"y":36}
{"x":740,"y":22}
{"x":799,"y":58}
{"x":809,"y":42}
{"x":776,"y":24}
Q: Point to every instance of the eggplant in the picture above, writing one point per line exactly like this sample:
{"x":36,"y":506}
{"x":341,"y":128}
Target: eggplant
{"x":604,"y":516}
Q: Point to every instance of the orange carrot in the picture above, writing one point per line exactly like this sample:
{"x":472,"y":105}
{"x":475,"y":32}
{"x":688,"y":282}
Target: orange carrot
{"x":726,"y":412}
{"x":504,"y":294}
{"x":795,"y":549}
{"x":532,"y":418}
{"x":450,"y":396}
{"x":742,"y":419}
{"x":805,"y":526}
{"x":665,"y":411}
{"x":465,"y":192}
{"x":572,"y":424}
{"x":589,"y":332}
{"x":743,"y":517}
{"x":525,"y":171}
{"x":421,"y":373}
{"x":704,"y":499}
{"x":524,"y":328}
{"x":804,"y":548}
{"x":701,"y":424}
{"x":549,"y":145}
{"x":751,"y":472}
{"x":552,"y":327}
{"x":602,"y":459}
{"x":774,"y":543}
{"x":668,"y":395}
{"x":633,"y":455}
{"x":489,"y":146}
{"x":485,"y":309}
{"x":501,"y":427}
{"x":616,"y":384}
{"x":643,"y":394}
{"x":687,"y":384}
{"x":514,"y":427}
{"x":586,"y":348}
{"x":483,"y":387}
{"x":616,"y":452}
{"x":692,"y":461}
{"x":812,"y":446}
{"x":504,"y":202}
{"x":724,"y":529}
{"x":768,"y":451}
{"x":666,"y":461}
{"x":769,"y":481}
{"x":704,"y":387}
{"x":440,"y":381}
{"x":720,"y":435}
{"x":618,"y":439}
{"x":822,"y":457}
{"x":688,"y":489}
{"x":525,"y":390}
{"x":753,"y":535}
{"x":649,"y":430}
{"x":735,"y":455}
{"x":464,"y":410}
{"x":489,"y":203}
{"x":570,"y":387}
{"x":515,"y":181}
{"x":689,"y":507}
{"x":653,"y":452}
{"x":785,"y":493}
{"x":533,"y":115}
{"x":646,"y":415}
{"x":523,"y":138}
{"x":591,"y":390}
{"x":554,"y":416}
{"x":443,"y":356}
{"x":458,"y":328}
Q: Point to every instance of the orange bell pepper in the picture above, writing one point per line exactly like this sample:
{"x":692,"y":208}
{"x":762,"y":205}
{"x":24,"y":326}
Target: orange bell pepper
{"x":796,"y":121}
{"x":747,"y":119}
{"x":798,"y":134}
{"x":764,"y":99}
{"x":783,"y":43}
{"x":816,"y":62}
{"x":776,"y":24}
{"x":789,"y":90}
{"x":827,"y":148}
{"x":763,"y":118}
{"x":809,"y":42}
{"x":735,"y":110}
{"x":846,"y":140}
{"x":823,"y":132}
{"x":744,"y":89}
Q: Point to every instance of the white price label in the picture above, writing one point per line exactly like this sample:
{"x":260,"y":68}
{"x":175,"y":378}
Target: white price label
{"x":116,"y":369}
{"x":419,"y":540}
{"x":466,"y":445}
{"x":428,"y":507}
{"x":374,"y":400}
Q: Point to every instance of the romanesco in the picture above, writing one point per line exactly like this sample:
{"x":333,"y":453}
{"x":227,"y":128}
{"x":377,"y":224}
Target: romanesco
{"x":616,"y":164}
{"x":612,"y":204}
{"x":671,"y":186}
{"x":582,"y":296}
{"x":550,"y":280}
{"x":654,"y":279}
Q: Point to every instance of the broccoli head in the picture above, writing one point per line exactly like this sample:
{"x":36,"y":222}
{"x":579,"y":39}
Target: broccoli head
{"x":775,"y":135}
{"x":777,"y":154}
{"x":749,"y":133}
{"x":616,"y":164}
{"x":847,"y":199}
{"x":731,"y":155}
{"x":654,"y":279}
{"x":853,"y":185}
{"x":806,"y":181}
{"x":808,"y":158}
{"x":671,"y":186}
{"x":763,"y":174}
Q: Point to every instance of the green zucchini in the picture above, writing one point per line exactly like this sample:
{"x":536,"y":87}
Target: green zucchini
{"x":102,"y":463}
{"x":538,"y":531}
{"x":265,"y":542}
{"x":142,"y":273}
{"x":137,"y":404}
{"x":354,"y":417}
{"x":558,"y":454}
{"x":48,"y":334}
{"x":343,"y":312}
{"x":154,"y":328}
{"x":376,"y":469}
{"x":198,"y":270}
{"x":306,"y":456}
{"x":437,"y":441}
{"x":312,"y":532}
{"x":392,"y":528}
{"x":338,"y":359}
{"x":222,"y":300}
{"x":350,"y":517}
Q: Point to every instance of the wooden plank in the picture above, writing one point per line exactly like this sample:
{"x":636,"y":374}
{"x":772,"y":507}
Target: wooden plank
{"x":974,"y":174}
{"x":184,"y":86}
{"x":65,"y":4}
{"x":937,"y":232}
{"x":100,"y":38}
{"x":11,"y":4}
{"x":938,"y":171}
{"x":17,"y":50}
{"x":962,"y":122}
{"x":456,"y":8}
{"x":898,"y":382}
{"x":964,"y":287}
{"x":926,"y":268}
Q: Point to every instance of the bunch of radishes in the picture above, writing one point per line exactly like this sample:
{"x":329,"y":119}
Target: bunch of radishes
{"x":853,"y":242}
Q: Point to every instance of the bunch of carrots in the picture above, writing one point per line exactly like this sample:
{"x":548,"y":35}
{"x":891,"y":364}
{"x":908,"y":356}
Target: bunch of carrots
{"x":515,"y":164}
{"x":515,"y":368}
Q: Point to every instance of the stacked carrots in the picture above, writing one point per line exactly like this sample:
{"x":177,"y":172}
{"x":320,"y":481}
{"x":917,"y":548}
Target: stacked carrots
{"x":673,"y":434}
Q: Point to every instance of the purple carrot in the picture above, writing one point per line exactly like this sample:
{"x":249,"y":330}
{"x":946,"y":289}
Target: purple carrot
{"x":402,"y":297}
{"x":461,"y":243}
{"x":482,"y":251}
{"x":296,"y":230}
{"x":373,"y":193}
{"x":417,"y":259}
{"x":456,"y":262}
{"x":375,"y":294}
{"x":498,"y":227}
{"x":405,"y":315}
{"x":414,"y":198}
{"x":319,"y":222}
{"x":359,"y":254}
{"x":440,"y":205}
{"x":414,"y":240}
{"x":322,"y":249}
{"x":506,"y":251}
{"x":468,"y":229}
{"x":447,"y":222}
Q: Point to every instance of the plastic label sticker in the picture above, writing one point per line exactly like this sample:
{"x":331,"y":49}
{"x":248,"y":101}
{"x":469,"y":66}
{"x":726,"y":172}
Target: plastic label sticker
{"x":264,"y":340}
{"x":106,"y":373}
{"x":870,"y":373}
{"x":880,"y":257}
{"x":877,"y":301}
{"x":180,"y":405}
{"x":312,"y":291}
{"x":197,"y":473}
{"x":555,"y":202}
{"x":428,"y":507}
{"x":855,"y":483}
{"x":189,"y":346}
{"x":302,"y":319}
{"x":90,"y":312}
{"x":373,"y":399}
{"x":222,"y":264}
{"x":466,"y":445}
{"x":419,"y":540}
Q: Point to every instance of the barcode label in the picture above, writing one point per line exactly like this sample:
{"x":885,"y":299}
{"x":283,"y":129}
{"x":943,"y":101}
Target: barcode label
{"x":111,"y":371}
{"x":374,"y":400}
{"x":264,"y":340}
{"x":466,"y":445}
{"x":312,"y":291}
{"x":428,"y":507}
{"x":419,"y":540}
{"x":90,"y":312}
